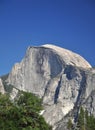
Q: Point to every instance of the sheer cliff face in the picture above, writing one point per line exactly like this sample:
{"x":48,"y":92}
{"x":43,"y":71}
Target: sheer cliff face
{"x":86,"y":98}
{"x":1,"y":87}
{"x":90,"y":92}
{"x":55,"y":74}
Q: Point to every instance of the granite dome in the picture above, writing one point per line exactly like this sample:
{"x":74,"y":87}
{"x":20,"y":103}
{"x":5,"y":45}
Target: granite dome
{"x":55,"y":74}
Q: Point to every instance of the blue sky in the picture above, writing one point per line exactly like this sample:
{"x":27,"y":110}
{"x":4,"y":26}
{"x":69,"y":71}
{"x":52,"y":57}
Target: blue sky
{"x":66,"y":23}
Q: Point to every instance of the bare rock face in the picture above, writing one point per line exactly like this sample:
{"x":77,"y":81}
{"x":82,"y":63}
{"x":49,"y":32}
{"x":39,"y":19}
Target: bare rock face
{"x":69,"y":57}
{"x":90,"y":92}
{"x":56,"y":75}
{"x":85,"y":98}
{"x":1,"y":87}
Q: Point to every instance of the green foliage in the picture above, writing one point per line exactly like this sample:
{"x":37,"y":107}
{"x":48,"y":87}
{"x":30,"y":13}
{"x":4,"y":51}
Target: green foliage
{"x":81,"y":119}
{"x":91,"y":123}
{"x":7,"y":87}
{"x":23,"y":114}
{"x":86,"y":121}
{"x":29,"y":101}
{"x":69,"y":124}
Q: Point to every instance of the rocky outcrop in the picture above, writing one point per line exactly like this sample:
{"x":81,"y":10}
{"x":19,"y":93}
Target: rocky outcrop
{"x":86,"y":99}
{"x":1,"y":87}
{"x":58,"y":76}
{"x":89,"y":103}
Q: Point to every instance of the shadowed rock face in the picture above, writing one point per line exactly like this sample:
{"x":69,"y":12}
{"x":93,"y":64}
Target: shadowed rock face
{"x":56,"y":75}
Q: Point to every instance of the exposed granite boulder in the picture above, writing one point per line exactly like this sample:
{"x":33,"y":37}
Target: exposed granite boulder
{"x":56,"y":75}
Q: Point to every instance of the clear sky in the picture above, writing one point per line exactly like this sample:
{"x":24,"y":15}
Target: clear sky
{"x":66,"y":23}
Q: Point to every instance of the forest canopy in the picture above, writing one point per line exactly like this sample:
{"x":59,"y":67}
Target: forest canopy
{"x":22,"y":114}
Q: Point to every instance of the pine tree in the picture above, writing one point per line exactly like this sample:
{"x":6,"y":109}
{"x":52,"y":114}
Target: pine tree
{"x":81,"y":119}
{"x":85,"y":120}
